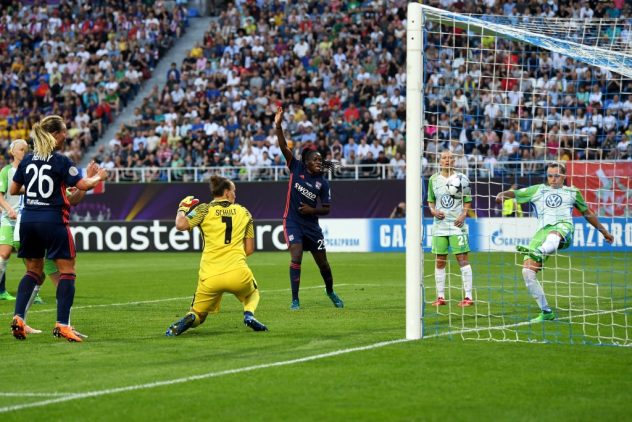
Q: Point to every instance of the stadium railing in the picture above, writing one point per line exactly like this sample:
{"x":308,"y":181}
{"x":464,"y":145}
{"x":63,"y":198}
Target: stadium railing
{"x":349,"y":172}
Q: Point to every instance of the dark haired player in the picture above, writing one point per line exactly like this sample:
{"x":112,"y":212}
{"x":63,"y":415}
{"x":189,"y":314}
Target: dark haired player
{"x":306,"y":188}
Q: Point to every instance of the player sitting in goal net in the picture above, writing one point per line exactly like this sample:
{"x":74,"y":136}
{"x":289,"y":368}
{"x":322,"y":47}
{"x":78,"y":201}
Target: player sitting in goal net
{"x":537,"y":112}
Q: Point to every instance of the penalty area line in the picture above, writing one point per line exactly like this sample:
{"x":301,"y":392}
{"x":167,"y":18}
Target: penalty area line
{"x":98,"y":393}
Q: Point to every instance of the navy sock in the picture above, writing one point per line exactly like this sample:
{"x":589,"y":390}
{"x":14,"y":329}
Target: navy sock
{"x":25,"y":289}
{"x":295,"y":278}
{"x":328,"y":278}
{"x":248,"y":314}
{"x":65,"y":297}
{"x":3,"y":283}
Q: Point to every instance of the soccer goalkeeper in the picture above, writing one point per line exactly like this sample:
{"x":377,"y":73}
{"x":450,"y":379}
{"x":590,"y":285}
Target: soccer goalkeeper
{"x":228,"y":239}
{"x":554,"y":203}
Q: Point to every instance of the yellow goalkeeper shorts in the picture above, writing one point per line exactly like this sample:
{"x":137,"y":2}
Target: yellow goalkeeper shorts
{"x":240,"y":282}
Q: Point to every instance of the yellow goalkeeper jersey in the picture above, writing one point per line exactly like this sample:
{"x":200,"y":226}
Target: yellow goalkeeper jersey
{"x":224,"y":227}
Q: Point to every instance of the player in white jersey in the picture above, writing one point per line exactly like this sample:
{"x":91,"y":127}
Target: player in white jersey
{"x":553,"y":202}
{"x":10,"y":205}
{"x":448,"y":229}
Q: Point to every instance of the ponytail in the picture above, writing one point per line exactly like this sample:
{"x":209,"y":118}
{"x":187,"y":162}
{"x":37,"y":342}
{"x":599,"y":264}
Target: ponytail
{"x":44,"y":143}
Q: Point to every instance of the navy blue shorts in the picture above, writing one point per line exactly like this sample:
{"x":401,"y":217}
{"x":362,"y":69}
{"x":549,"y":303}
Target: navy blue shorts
{"x":310,"y":235}
{"x":50,"y":240}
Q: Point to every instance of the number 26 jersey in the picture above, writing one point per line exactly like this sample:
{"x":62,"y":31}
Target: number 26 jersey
{"x":45,"y":180}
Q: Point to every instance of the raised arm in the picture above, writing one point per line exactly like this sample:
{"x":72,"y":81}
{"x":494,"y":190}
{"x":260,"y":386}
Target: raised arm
{"x":278,"y":119}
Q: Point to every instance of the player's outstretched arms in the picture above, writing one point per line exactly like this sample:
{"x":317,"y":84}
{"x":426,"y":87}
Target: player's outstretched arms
{"x":592,"y":218}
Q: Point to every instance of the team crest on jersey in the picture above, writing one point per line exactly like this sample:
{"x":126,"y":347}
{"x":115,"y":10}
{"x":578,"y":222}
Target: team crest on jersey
{"x":447,"y":201}
{"x":553,"y":200}
{"x":318,"y":185}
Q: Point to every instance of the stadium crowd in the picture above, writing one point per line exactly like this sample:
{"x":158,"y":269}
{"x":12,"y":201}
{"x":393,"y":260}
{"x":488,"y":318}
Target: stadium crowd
{"x":80,"y":60}
{"x":339,"y":69}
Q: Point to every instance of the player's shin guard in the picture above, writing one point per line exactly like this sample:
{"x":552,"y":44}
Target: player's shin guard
{"x":26,"y":287}
{"x":535,"y":289}
{"x":440,"y":281}
{"x":328,"y":278}
{"x":295,"y":278}
{"x":3,"y":276}
{"x":65,"y":297}
{"x":466,"y":275}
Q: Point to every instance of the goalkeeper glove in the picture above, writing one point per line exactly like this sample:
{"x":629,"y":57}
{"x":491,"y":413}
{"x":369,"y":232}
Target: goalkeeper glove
{"x":187,"y":204}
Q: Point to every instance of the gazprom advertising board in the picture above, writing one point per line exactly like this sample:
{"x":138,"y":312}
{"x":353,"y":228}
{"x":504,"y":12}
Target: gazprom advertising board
{"x":504,"y":234}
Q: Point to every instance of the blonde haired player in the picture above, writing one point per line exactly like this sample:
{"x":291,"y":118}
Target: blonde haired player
{"x":448,"y":229}
{"x":228,"y":238}
{"x":11,"y":205}
{"x":44,"y":230}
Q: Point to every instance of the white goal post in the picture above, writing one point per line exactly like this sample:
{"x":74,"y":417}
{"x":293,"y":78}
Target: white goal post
{"x":510,"y":95}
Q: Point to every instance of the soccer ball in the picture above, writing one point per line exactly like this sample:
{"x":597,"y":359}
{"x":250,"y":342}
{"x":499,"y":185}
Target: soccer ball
{"x":458,"y":184}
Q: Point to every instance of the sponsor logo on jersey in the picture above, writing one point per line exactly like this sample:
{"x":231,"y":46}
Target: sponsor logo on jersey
{"x":318,"y":185}
{"x":37,"y":202}
{"x":553,"y":200}
{"x":447,"y":201}
{"x":304,"y":191}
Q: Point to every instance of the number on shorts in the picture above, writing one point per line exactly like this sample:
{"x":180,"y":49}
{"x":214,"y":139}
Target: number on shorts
{"x":461,"y":240}
{"x":321,"y":244}
{"x":228,"y":237}
{"x":41,"y":179}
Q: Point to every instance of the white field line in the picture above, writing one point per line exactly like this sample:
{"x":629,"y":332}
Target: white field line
{"x":170,"y":299}
{"x":34,"y":394}
{"x":97,"y":393}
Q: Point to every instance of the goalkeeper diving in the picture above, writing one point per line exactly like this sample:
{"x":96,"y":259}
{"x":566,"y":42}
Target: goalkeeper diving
{"x":228,"y":231}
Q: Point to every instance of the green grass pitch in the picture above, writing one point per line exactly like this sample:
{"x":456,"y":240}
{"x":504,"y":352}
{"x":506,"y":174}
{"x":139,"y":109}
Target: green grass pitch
{"x":320,"y":363}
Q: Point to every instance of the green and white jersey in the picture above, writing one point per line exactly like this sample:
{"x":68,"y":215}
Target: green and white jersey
{"x":451,"y":206}
{"x":6,"y":176}
{"x":552,"y":205}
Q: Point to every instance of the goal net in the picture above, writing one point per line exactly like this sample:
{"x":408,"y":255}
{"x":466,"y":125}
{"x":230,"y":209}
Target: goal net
{"x":507,"y":96}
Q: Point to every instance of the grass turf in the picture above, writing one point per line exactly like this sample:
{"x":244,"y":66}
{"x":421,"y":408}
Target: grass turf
{"x":124,"y":302}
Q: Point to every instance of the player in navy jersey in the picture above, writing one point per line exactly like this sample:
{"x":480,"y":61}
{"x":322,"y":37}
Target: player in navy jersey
{"x":306,"y":188}
{"x":45,"y":174}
